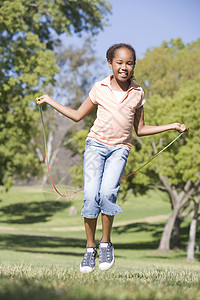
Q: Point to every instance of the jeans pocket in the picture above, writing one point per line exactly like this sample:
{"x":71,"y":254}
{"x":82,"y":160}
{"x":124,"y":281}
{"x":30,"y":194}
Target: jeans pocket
{"x":88,"y":142}
{"x":126,"y":152}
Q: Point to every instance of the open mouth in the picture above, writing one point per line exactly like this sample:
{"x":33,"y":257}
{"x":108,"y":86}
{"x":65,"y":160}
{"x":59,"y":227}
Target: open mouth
{"x":123,"y":74}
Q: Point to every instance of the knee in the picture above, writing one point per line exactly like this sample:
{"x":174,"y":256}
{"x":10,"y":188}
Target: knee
{"x":109,"y":194}
{"x":91,"y":195}
{"x":108,"y":198}
{"x":91,"y":198}
{"x":91,"y":207}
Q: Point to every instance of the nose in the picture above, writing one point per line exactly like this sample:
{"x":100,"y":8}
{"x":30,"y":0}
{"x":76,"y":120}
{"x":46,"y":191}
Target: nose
{"x":124,"y":67}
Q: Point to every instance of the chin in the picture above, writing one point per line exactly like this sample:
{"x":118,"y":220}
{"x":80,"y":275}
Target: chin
{"x":123,"y":79}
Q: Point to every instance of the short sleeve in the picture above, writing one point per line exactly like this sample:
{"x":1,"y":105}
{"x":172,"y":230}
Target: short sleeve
{"x":92,"y":95}
{"x":142,"y":101}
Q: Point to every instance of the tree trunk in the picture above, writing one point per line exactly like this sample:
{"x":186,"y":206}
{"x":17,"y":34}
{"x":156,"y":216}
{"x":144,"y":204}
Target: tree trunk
{"x":192,"y":234}
{"x":176,"y":240}
{"x":164,"y":245}
{"x":192,"y":238}
{"x":178,"y":201}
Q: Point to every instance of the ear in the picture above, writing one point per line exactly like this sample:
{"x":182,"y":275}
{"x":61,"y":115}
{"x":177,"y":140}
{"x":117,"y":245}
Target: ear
{"x":110,"y":64}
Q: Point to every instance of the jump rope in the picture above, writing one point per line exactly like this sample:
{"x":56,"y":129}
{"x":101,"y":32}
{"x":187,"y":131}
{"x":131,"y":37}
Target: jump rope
{"x":79,"y":190}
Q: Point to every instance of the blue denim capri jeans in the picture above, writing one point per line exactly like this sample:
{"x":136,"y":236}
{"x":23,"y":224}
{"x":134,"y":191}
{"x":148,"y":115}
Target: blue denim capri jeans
{"x":102,"y":169}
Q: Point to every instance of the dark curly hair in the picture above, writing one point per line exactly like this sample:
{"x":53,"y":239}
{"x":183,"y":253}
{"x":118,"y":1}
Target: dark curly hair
{"x":110,"y":54}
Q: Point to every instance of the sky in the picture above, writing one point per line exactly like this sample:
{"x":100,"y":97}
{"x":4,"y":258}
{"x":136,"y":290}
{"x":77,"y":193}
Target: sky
{"x":146,"y":24}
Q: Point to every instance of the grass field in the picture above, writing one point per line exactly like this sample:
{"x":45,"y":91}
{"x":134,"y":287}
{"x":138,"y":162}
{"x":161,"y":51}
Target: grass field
{"x":41,"y":247}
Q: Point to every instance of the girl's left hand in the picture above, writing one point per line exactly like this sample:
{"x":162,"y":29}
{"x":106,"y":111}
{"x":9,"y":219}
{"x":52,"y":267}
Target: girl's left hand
{"x":43,"y":99}
{"x":180,"y":127}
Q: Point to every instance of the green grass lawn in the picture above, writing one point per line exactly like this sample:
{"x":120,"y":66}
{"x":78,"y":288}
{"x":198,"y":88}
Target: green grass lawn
{"x":41,"y":247}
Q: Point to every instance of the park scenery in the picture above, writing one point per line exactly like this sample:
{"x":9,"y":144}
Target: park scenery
{"x":42,"y":238}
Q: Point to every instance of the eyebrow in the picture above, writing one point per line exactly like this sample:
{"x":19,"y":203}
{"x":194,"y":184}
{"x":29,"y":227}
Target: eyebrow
{"x":122,"y":60}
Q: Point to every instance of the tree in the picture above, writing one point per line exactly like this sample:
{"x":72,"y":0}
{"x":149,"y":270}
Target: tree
{"x":28,"y":33}
{"x":165,"y":69}
{"x":193,"y":228}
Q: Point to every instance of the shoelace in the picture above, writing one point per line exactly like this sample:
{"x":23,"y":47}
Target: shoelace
{"x":105,"y":254}
{"x":89,"y":258}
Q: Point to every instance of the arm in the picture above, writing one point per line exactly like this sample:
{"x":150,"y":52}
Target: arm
{"x":73,"y":114}
{"x":142,"y":129}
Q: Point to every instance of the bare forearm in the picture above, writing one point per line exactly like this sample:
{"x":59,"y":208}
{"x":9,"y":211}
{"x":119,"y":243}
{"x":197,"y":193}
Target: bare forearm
{"x":149,"y":130}
{"x":66,"y":111}
{"x":73,"y":114}
{"x":142,"y":129}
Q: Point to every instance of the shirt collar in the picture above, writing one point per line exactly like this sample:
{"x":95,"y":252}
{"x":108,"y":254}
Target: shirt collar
{"x":106,"y":82}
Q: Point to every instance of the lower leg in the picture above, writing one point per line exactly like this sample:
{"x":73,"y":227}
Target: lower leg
{"x":107,"y":222}
{"x":90,"y":229}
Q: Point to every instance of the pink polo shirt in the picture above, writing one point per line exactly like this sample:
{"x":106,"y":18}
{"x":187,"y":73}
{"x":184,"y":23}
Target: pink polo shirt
{"x":114,"y":122}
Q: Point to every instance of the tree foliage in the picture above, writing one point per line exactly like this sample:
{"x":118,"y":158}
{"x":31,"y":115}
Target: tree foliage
{"x":28,"y":33}
{"x":43,"y":16}
{"x":165,"y":69}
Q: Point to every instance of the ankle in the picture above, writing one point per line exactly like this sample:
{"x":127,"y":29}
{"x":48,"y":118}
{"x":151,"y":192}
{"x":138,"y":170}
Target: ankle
{"x":103,"y":240}
{"x":91,"y":244}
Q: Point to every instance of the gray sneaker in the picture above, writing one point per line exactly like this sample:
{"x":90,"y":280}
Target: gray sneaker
{"x":106,"y":256}
{"x":88,"y":263}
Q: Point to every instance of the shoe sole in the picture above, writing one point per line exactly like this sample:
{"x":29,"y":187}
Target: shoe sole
{"x":86,"y":270}
{"x":105,"y":267}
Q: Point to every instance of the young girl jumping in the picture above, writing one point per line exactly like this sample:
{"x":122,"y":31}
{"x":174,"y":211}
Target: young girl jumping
{"x":120,"y":108}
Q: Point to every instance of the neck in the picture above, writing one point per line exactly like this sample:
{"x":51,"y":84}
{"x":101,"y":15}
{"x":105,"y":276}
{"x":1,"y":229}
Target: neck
{"x":119,"y":85}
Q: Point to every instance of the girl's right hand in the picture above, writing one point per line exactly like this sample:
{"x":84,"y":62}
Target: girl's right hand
{"x":43,"y":99}
{"x":180,"y":127}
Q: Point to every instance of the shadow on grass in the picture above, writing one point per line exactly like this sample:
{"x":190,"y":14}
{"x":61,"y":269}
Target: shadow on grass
{"x":155,"y":231}
{"x":40,"y":244}
{"x":31,"y":212}
{"x":148,"y":245}
{"x":10,"y":241}
{"x":51,"y":252}
{"x":179,"y":255}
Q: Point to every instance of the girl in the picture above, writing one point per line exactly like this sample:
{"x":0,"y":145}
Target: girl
{"x":120,"y":107}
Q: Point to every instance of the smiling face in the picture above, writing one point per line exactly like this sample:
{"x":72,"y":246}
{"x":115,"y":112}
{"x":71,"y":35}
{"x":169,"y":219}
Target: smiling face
{"x":122,"y":65}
